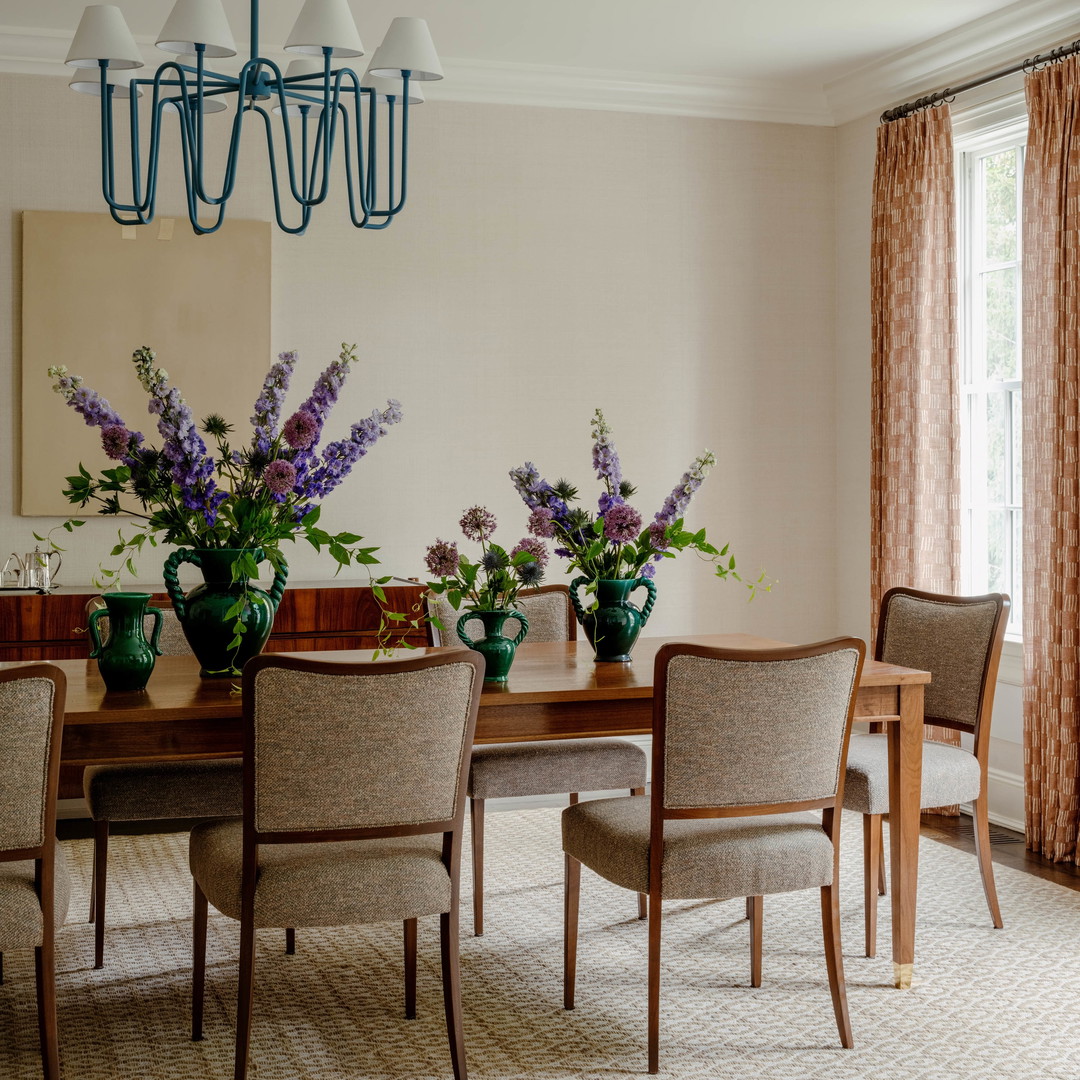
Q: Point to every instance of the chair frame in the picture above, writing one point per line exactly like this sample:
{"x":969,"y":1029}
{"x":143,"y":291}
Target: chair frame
{"x":659,"y":814}
{"x":44,"y":857}
{"x":873,"y":858}
{"x":452,"y":830}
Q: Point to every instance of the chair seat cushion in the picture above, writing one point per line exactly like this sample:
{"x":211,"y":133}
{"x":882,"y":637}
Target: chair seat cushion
{"x":950,"y":774}
{"x":704,"y":858}
{"x":20,"y":910}
{"x":506,"y":770}
{"x":162,"y":790}
{"x":327,"y":884}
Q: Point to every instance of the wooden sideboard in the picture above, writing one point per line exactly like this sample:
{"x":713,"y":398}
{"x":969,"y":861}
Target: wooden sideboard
{"x":312,"y":615}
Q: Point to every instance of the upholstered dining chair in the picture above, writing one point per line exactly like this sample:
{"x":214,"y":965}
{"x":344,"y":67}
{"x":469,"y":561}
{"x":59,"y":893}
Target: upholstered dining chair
{"x":509,"y":770}
{"x":34,"y":883}
{"x":958,"y":640}
{"x":743,"y":742}
{"x":354,"y":809}
{"x":153,"y":791}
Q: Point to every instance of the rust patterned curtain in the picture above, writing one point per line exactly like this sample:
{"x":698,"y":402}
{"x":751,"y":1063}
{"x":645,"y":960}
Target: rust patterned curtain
{"x":1051,"y":459}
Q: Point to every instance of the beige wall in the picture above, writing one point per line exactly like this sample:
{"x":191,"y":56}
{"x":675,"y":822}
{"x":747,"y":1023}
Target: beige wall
{"x":680,"y":273}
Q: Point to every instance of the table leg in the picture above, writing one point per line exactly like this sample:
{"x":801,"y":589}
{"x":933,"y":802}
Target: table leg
{"x":905,"y":790}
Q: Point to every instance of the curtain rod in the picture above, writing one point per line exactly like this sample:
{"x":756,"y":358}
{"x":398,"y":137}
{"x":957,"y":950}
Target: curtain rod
{"x":1031,"y":64}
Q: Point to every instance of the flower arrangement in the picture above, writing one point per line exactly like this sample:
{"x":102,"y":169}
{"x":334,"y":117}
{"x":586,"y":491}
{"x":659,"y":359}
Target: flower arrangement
{"x":493,"y":582}
{"x":251,"y":498}
{"x":612,"y":544}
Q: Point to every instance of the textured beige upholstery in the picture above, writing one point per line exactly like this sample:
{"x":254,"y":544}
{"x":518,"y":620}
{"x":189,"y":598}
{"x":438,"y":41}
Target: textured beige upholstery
{"x":25,"y":731}
{"x":164,"y":790}
{"x":20,"y":909}
{"x":548,"y":613}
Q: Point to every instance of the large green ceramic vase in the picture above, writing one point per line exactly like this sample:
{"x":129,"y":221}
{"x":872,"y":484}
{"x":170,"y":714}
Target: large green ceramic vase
{"x":613,"y":624}
{"x":495,"y":647}
{"x":125,"y":659}
{"x":203,"y":612}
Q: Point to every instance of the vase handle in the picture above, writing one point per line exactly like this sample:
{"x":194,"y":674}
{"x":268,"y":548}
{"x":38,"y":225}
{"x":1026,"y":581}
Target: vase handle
{"x":277,"y":589}
{"x":460,"y":628}
{"x":646,"y":608}
{"x":172,"y":581}
{"x":515,"y":614}
{"x":579,"y":611}
{"x":95,"y":635}
{"x":155,"y":636}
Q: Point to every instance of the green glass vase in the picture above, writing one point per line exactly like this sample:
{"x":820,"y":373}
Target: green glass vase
{"x":203,"y":612}
{"x":125,"y":659}
{"x":495,"y":647}
{"x":613,"y":624}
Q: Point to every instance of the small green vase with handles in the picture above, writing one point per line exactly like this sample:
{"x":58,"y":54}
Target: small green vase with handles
{"x":125,"y":659}
{"x":613,"y":624}
{"x":495,"y":647}
{"x":203,"y":612}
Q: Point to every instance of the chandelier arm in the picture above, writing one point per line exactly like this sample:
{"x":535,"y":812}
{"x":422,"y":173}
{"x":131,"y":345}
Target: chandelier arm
{"x":305,"y":209}
{"x":192,"y":202}
{"x":360,"y":187}
{"x":143,"y":209}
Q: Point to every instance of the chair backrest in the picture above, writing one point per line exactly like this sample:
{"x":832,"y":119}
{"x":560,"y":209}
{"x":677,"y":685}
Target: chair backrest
{"x":31,"y":723}
{"x":374,"y":748}
{"x":172,"y":641}
{"x":739,"y":732}
{"x":548,"y":609}
{"x":958,"y":640}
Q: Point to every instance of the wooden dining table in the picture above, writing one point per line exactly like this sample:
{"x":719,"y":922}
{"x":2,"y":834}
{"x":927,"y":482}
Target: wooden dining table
{"x":554,"y":691}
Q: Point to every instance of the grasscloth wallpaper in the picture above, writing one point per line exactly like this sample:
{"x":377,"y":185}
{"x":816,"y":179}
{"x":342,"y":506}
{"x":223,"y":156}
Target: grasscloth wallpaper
{"x":680,"y":273}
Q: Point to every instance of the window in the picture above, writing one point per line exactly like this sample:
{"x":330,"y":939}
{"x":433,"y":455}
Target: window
{"x":989,"y":237}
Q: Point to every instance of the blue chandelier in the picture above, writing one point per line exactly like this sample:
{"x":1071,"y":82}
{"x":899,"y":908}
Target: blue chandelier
{"x":313,"y":106}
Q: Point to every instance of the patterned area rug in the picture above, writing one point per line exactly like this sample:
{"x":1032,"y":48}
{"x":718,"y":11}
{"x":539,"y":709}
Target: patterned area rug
{"x":987,"y":1005}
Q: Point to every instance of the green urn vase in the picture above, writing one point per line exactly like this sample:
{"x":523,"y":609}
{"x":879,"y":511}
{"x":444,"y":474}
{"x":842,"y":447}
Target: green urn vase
{"x":497,"y":649}
{"x":220,"y":610}
{"x":613,"y":624}
{"x":125,"y":658}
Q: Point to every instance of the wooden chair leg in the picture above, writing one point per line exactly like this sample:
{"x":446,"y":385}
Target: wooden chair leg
{"x":571,"y":897}
{"x":654,"y":983}
{"x":476,"y":823}
{"x":883,"y":886}
{"x":101,"y":860}
{"x":451,"y":977}
{"x":872,"y":859}
{"x":198,"y":962}
{"x":834,"y":962}
{"x":45,"y":974}
{"x":982,"y":851}
{"x":410,"y":969}
{"x":290,"y":941}
{"x":245,"y":998}
{"x":756,"y":906}
{"x":749,"y":907}
{"x":642,"y":898}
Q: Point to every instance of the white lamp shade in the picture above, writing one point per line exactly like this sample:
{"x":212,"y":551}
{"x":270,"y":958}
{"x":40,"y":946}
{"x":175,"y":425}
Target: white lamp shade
{"x":103,"y":35}
{"x":408,"y":47}
{"x":210,"y":104}
{"x":325,"y":24}
{"x":197,"y":22}
{"x":88,"y":81}
{"x":384,"y":85}
{"x":306,"y":65}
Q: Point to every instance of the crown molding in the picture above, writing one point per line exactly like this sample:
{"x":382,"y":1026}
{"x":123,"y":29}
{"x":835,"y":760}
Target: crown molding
{"x":996,"y":40}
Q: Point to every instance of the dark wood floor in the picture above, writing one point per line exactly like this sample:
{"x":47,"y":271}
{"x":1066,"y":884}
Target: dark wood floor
{"x":1007,"y":848}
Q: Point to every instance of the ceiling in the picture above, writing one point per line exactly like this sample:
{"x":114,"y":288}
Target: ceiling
{"x":798,"y":46}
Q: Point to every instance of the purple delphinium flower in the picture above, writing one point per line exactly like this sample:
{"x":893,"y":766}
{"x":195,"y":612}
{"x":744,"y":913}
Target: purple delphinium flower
{"x":605,"y":457}
{"x":540,"y":522}
{"x":478,"y":523}
{"x":94,"y":409}
{"x":534,"y":547}
{"x":622,"y":523}
{"x":114,"y":441}
{"x":279,"y":477}
{"x":607,"y":501}
{"x":648,"y":570}
{"x":526,"y":479}
{"x":442,"y":558}
{"x":268,"y":405}
{"x":300,"y":430}
{"x":339,"y":457}
{"x":679,"y":499}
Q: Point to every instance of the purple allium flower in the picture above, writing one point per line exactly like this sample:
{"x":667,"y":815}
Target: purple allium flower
{"x":605,"y":456}
{"x":540,"y":522}
{"x":478,"y":523}
{"x":658,"y":536}
{"x":268,"y":406}
{"x":442,"y":559}
{"x":279,"y":477}
{"x":622,"y":523}
{"x":114,"y":441}
{"x":534,"y":547}
{"x":300,"y":430}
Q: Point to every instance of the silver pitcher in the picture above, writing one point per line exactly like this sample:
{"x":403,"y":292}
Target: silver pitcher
{"x":32,"y":570}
